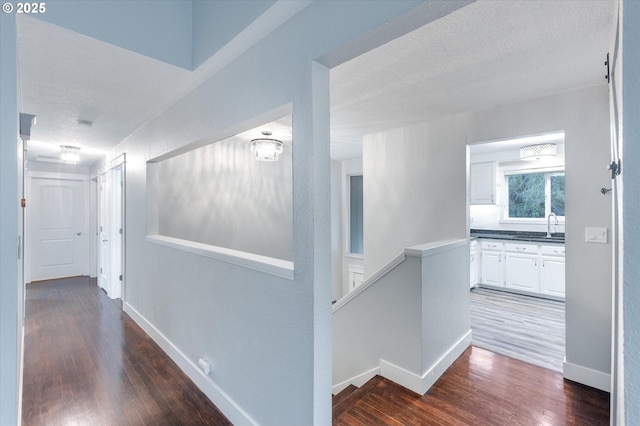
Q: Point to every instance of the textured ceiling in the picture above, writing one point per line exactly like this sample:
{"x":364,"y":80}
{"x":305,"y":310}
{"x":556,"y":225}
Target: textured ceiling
{"x":483,"y":55}
{"x":66,"y":77}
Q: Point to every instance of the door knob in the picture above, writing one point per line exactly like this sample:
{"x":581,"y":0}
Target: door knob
{"x":78,"y":233}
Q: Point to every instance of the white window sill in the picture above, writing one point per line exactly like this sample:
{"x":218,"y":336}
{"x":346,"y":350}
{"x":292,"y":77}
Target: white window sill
{"x":354,"y":256}
{"x":268,"y":265}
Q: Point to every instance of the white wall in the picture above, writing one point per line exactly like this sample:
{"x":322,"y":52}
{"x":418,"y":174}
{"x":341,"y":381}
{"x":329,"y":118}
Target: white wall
{"x":415,"y":189}
{"x":418,"y":173}
{"x":584,"y":116}
{"x":408,"y":322}
{"x":268,"y":338}
{"x":10,"y":322}
{"x":221,"y":195}
{"x":631,"y":232}
{"x":336,"y":230}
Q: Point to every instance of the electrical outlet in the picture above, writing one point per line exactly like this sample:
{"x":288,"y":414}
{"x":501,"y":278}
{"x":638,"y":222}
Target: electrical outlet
{"x":205,"y":366}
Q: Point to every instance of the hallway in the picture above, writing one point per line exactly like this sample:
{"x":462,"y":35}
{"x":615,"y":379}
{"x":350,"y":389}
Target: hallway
{"x":86,"y":362}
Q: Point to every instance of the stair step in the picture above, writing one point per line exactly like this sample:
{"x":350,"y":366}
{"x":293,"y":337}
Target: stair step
{"x":350,"y":395}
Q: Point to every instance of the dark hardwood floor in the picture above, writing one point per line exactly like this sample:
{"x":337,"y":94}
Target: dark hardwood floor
{"x":480,"y":388}
{"x":87,"y":363}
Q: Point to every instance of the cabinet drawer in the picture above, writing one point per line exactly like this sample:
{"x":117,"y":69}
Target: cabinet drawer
{"x":473,"y":245}
{"x":554,"y":250}
{"x":521,"y":248}
{"x":492,"y":245}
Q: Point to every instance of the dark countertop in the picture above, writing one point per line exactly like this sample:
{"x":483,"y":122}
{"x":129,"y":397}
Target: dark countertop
{"x":538,"y":237}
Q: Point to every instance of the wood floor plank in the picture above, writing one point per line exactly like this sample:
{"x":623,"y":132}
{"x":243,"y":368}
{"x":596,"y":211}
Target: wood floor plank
{"x":87,"y":362}
{"x":483,"y":388}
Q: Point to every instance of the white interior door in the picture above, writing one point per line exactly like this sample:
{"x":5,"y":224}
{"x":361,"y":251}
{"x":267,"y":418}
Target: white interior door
{"x":57,"y":228}
{"x":111,"y":271}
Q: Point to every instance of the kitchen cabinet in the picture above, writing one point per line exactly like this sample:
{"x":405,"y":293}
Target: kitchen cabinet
{"x":522,"y":267}
{"x":492,"y":267}
{"x":483,"y":183}
{"x":552,"y":268}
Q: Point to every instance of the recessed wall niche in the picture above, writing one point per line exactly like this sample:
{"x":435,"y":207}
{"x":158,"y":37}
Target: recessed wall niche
{"x":221,"y":196}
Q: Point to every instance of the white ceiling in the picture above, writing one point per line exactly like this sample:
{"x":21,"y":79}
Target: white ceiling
{"x":66,"y":77}
{"x":486,"y":54}
{"x":482,"y":55}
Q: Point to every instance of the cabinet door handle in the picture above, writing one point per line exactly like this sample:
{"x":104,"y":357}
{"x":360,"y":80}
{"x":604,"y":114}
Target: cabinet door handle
{"x":500,"y":257}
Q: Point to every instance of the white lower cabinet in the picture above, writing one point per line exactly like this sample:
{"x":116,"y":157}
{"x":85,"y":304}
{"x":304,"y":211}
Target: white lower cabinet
{"x":492,"y":266}
{"x":527,"y":267}
{"x":552,"y":271}
{"x":522,"y":267}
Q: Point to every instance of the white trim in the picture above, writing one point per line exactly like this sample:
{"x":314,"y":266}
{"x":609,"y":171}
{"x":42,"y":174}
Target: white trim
{"x":429,"y":249}
{"x":358,"y":380}
{"x":586,"y":376}
{"x":369,"y":282}
{"x":421,"y":384}
{"x":268,"y":265}
{"x":231,"y":410}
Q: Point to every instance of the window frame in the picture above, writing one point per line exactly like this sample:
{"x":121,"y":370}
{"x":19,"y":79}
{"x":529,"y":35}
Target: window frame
{"x":348,"y":251}
{"x":548,"y":172}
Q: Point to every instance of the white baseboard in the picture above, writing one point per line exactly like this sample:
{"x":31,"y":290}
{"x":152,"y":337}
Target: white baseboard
{"x":586,"y":376}
{"x":358,"y":380}
{"x":229,"y":408}
{"x":421,"y":384}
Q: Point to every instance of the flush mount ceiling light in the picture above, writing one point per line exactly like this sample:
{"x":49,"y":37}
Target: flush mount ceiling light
{"x":537,"y":151}
{"x":70,"y":154}
{"x":266,"y":148}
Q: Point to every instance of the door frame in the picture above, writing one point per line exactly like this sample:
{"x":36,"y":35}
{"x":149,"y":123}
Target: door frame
{"x":117,"y":165}
{"x":28,"y":216}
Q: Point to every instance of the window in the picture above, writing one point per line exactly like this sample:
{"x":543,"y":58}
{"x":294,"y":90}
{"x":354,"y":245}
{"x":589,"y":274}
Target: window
{"x":355,"y":214}
{"x":535,"y":195}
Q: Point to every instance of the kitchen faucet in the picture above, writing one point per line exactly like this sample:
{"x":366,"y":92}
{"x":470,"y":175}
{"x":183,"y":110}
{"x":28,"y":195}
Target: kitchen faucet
{"x":549,"y":223}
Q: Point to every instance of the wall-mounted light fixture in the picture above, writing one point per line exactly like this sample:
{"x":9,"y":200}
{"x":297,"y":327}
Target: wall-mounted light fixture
{"x":266,"y":148}
{"x":70,"y":154}
{"x":537,"y":151}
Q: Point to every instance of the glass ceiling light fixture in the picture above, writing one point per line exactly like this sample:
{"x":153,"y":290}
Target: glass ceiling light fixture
{"x":70,"y":154}
{"x":537,"y":151}
{"x":266,"y":148}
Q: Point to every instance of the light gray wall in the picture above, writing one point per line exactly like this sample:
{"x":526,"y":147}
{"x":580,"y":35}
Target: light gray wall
{"x":382,"y":323}
{"x":414,"y":189}
{"x":336,"y":230}
{"x":584,"y":116}
{"x":160,"y":30}
{"x":446,"y":308}
{"x":221,"y":195}
{"x":268,"y":338}
{"x":631,"y":218}
{"x":10,"y":322}
{"x":215,"y":23}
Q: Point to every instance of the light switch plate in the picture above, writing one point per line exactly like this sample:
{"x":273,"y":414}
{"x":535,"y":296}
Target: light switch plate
{"x":595,"y":235}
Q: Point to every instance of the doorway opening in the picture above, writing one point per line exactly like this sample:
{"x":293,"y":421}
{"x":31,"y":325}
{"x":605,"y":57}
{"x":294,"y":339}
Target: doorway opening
{"x":517,"y":256}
